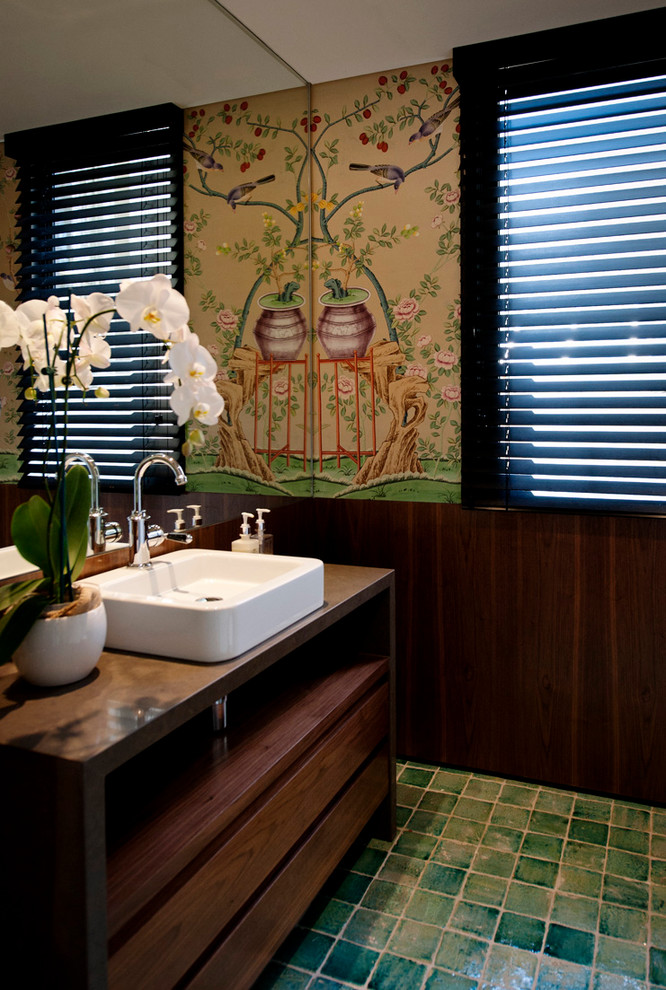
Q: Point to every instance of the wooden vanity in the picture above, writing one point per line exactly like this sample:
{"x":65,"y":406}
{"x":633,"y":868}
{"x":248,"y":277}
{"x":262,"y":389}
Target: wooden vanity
{"x":143,"y":849}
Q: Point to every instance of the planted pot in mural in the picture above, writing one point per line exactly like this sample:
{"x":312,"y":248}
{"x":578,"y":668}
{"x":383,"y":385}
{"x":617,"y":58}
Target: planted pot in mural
{"x":382,"y":211}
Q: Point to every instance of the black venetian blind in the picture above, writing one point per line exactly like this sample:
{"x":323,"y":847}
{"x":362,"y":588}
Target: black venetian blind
{"x":100,"y":200}
{"x":563,"y":140}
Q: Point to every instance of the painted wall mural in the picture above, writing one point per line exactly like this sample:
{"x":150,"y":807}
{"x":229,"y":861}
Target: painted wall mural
{"x":9,"y":400}
{"x":322,"y":271}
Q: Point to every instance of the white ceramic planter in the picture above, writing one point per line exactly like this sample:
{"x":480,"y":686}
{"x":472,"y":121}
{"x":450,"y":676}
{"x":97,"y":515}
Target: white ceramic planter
{"x":62,"y":650}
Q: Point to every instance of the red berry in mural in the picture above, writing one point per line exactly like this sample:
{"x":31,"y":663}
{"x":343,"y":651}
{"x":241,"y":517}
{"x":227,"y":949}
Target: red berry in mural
{"x":313,"y":127}
{"x":195,"y":127}
{"x":403,"y":74}
{"x":304,"y":121}
{"x":257,"y":132}
{"x":243,"y":105}
{"x":202,"y":113}
{"x":227,"y":119}
{"x":434,"y":70}
{"x":317,"y":119}
{"x":190,"y":133}
{"x":402,"y":89}
{"x":261,"y":153}
{"x":363,"y":138}
{"x":367,"y":113}
{"x":245,"y":166}
{"x":382,"y":80}
{"x":445,"y":67}
{"x":226,"y":107}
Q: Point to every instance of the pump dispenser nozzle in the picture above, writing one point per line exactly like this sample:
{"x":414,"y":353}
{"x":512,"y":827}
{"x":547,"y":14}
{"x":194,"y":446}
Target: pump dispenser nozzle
{"x":265,"y":539}
{"x":246,"y":543}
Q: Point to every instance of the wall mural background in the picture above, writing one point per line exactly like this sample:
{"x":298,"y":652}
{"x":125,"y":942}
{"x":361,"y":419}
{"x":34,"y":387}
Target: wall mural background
{"x":361,"y":399}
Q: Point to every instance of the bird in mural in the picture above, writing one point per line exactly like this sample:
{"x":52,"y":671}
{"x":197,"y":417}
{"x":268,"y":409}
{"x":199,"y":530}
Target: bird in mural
{"x":8,"y":280}
{"x":243,"y":191}
{"x":433,"y":123}
{"x":202,"y":158}
{"x":393,"y":173}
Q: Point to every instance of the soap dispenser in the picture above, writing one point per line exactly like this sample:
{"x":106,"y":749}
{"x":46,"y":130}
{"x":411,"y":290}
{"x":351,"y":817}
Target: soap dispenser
{"x":265,"y":539}
{"x":245,"y":542}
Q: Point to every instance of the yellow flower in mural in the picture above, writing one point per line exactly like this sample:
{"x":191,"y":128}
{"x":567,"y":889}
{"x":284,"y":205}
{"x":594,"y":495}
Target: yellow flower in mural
{"x":410,"y":231}
{"x":268,"y":220}
{"x":223,"y":248}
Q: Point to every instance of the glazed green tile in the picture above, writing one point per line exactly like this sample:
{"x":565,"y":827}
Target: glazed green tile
{"x":556,"y":802}
{"x":658,"y":871}
{"x":526,"y":899}
{"x":658,"y":849}
{"x":442,"y":879}
{"x":463,"y":830}
{"x":387,"y":897}
{"x":575,"y":880}
{"x":370,"y":928}
{"x":485,"y":889}
{"x":659,"y":822}
{"x":521,"y":932}
{"x":429,"y":907}
{"x":382,"y":844}
{"x":658,"y":931}
{"x":484,"y":790}
{"x":658,"y":898}
{"x":304,"y":949}
{"x":536,"y":871}
{"x":402,"y":816}
{"x":629,"y":865}
{"x":419,"y":777}
{"x":495,"y":862}
{"x":477,"y":811}
{"x":407,"y":795}
{"x":609,"y":981}
{"x":428,"y":822}
{"x":575,"y":912}
{"x":523,"y":797}
{"x":504,"y":839}
{"x":401,"y":869}
{"x":394,"y":973}
{"x":369,"y":861}
{"x":415,"y":940}
{"x":621,"y":922}
{"x":349,"y":962}
{"x":509,"y":967}
{"x":351,"y":887}
{"x":583,"y":855}
{"x":462,"y":954}
{"x":594,"y":811}
{"x":629,"y":893}
{"x":477,"y":919}
{"x":328,"y":916}
{"x":629,"y":839}
{"x":446,"y":780}
{"x":278,"y":977}
{"x":581,"y":830}
{"x":623,"y":958}
{"x":454,"y":853}
{"x":543,"y":821}
{"x":562,"y":976}
{"x":322,"y":983}
{"x":542,"y":846}
{"x":415,"y":844}
{"x":657,"y":972}
{"x":443,"y":804}
{"x":629,"y":816}
{"x":570,"y":944}
{"x":510,"y":816}
{"x":439,"y":980}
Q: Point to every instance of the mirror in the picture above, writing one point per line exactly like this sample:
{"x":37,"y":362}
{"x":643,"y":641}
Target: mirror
{"x":83,"y":58}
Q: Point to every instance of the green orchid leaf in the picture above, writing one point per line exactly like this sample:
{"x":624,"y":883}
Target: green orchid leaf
{"x":17,"y":621}
{"x":29,"y":532}
{"x":10,"y":594}
{"x":77,"y":511}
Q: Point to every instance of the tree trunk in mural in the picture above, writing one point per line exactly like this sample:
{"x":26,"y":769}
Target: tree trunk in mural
{"x":408,"y":406}
{"x":235,"y":449}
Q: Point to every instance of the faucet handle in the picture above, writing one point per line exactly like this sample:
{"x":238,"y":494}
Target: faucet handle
{"x":155,"y":535}
{"x":113,"y":532}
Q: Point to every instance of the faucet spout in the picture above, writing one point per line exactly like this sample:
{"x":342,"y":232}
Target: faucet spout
{"x":140,"y":535}
{"x":97,"y":530}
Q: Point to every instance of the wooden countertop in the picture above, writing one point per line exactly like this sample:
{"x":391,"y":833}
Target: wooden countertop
{"x":132,"y":700}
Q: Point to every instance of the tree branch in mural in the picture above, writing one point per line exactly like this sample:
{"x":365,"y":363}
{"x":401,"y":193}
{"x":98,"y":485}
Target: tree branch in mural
{"x":342,"y":247}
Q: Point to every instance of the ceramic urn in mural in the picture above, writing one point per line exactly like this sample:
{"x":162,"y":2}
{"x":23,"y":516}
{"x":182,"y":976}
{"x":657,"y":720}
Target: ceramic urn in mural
{"x":281,"y":329}
{"x":345,"y":326}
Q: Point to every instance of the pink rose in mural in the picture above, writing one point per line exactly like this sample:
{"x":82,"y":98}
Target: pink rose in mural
{"x":424,"y":340}
{"x":10,"y":173}
{"x":345,"y":386}
{"x":226,"y":319}
{"x":406,"y":309}
{"x":452,"y":196}
{"x":201,"y":245}
{"x":451,"y":393}
{"x":189,"y":226}
{"x":437,"y":220}
{"x":445,"y":359}
{"x":8,"y":368}
{"x":280,"y":387}
{"x":416,"y":371}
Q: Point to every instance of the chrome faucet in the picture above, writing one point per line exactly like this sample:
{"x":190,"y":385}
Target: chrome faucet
{"x":99,"y":531}
{"x":142,"y":537}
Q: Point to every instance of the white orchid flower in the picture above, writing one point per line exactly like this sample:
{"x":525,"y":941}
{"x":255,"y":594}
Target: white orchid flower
{"x":42,"y":379}
{"x":93,"y":350}
{"x":93,"y":313}
{"x":152,"y":305}
{"x":191,"y":364}
{"x":203,"y":404}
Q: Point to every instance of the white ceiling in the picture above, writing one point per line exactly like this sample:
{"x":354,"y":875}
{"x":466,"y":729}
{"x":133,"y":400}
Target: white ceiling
{"x":78,"y":58}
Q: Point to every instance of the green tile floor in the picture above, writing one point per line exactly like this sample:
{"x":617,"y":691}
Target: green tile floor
{"x":490,"y":884}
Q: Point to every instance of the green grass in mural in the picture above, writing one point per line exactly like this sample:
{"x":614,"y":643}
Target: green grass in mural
{"x":400,"y":488}
{"x":9,"y":467}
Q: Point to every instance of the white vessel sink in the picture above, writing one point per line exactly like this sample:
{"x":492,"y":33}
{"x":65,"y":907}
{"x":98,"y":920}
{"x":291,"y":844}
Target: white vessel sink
{"x":13,"y":564}
{"x":207,"y":605}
